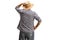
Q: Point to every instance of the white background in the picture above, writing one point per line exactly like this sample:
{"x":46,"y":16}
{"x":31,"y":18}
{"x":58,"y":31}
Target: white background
{"x":48,"y":10}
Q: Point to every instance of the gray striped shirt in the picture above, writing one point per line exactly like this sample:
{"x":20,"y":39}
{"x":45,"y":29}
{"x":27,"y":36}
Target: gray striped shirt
{"x":27,"y":17}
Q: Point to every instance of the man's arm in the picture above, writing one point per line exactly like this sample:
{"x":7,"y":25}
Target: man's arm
{"x":38,"y":19}
{"x":18,"y":6}
{"x":39,"y":22}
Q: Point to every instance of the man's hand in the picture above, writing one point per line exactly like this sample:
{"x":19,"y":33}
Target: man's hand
{"x":39,"y":22}
{"x":34,"y":28}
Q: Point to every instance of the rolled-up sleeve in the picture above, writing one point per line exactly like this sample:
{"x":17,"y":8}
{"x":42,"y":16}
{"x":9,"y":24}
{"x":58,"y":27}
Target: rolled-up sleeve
{"x":37,"y":17}
{"x":18,"y":10}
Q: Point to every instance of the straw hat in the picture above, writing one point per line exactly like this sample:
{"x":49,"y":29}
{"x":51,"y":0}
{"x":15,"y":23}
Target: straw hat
{"x":27,"y":4}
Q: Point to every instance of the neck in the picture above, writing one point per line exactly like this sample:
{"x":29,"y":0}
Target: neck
{"x":27,"y":9}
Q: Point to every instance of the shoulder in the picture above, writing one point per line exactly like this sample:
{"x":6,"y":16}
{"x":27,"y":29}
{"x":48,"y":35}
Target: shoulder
{"x":34,"y":12}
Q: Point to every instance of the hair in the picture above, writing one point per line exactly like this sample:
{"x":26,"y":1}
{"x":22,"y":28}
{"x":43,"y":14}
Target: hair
{"x":27,"y":5}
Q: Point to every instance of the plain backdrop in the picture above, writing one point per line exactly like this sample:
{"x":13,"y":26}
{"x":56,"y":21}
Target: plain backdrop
{"x":48,"y":11}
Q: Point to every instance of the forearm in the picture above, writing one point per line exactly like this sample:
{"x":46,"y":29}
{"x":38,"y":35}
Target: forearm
{"x":39,"y":22}
{"x":18,"y":5}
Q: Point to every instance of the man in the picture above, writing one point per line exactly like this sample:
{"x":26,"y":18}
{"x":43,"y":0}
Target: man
{"x":26,"y":24}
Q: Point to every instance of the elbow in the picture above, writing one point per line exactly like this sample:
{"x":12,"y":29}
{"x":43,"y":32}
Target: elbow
{"x":15,"y":8}
{"x":40,"y":21}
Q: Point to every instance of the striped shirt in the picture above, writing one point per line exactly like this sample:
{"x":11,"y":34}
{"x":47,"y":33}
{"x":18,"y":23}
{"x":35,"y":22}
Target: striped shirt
{"x":27,"y":17}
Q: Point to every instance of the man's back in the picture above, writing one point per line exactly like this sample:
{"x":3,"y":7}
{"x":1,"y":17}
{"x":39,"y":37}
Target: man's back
{"x":26,"y":24}
{"x":27,"y":17}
